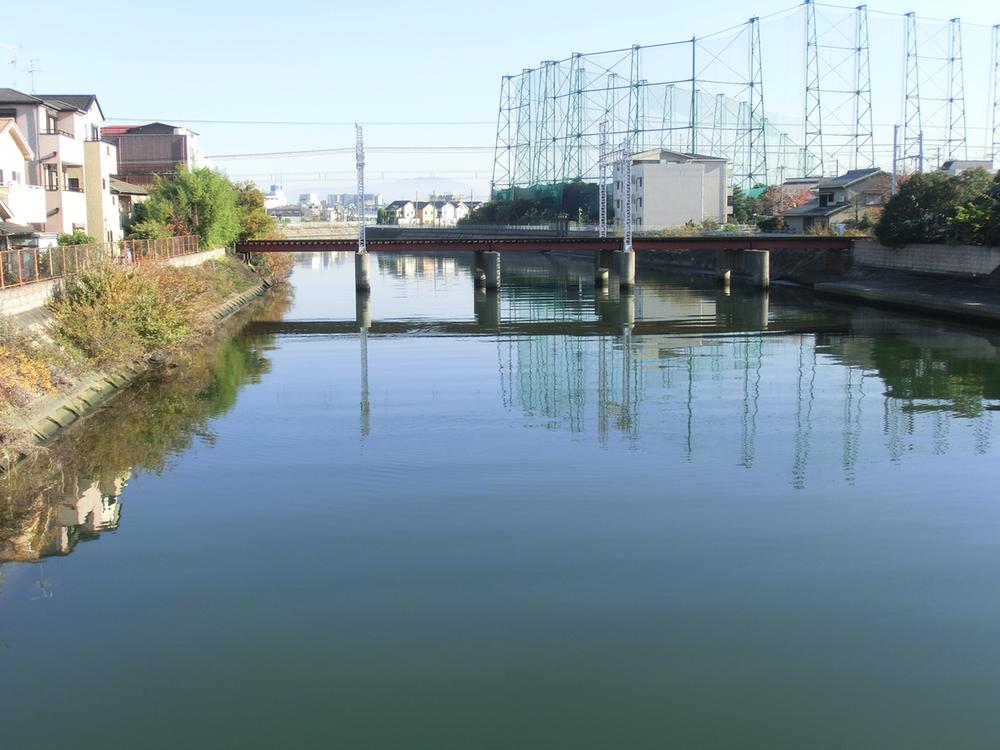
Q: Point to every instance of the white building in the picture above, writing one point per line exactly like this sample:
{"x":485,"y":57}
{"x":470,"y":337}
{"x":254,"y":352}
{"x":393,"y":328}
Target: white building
{"x":309,"y":199}
{"x":23,"y":201}
{"x":670,"y":188}
{"x":57,"y":128}
{"x":275,"y":197}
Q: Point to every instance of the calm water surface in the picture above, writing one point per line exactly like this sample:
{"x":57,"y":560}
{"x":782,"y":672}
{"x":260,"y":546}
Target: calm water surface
{"x":544,"y":519}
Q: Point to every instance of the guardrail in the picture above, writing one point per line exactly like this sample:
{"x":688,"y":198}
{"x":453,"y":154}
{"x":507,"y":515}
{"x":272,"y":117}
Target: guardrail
{"x":23,"y":266}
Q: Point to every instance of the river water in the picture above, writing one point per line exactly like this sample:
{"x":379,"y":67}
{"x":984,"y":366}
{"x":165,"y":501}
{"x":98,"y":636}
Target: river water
{"x":547,"y":518}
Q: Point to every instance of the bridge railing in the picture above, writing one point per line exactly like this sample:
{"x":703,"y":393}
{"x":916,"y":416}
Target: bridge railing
{"x":30,"y":265}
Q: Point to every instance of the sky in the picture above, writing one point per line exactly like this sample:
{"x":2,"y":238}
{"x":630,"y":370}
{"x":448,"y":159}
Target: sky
{"x":416,"y":75}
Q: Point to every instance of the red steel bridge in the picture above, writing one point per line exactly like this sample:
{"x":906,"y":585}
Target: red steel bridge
{"x":442,"y":243}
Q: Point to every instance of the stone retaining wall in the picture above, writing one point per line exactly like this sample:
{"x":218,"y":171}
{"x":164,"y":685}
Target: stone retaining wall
{"x":960,"y":260}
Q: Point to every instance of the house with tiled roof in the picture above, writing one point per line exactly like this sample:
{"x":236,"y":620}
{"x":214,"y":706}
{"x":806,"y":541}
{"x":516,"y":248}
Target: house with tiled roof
{"x":840,"y":200}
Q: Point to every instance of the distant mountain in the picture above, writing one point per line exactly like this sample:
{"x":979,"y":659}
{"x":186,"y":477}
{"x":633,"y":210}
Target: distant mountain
{"x":415,"y":188}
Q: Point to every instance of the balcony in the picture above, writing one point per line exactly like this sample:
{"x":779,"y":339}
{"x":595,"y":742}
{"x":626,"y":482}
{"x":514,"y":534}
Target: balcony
{"x":26,"y":202}
{"x":67,"y":148}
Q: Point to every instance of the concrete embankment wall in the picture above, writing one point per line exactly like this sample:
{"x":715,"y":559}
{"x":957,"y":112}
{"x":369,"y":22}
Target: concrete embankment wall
{"x":800,"y":266}
{"x":963,"y":261}
{"x":53,"y":414}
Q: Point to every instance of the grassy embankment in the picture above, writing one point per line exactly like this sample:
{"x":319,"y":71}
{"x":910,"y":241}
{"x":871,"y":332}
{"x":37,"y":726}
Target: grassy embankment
{"x":109,"y":316}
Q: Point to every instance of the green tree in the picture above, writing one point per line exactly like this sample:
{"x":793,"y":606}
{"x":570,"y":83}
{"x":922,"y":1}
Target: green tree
{"x":255,"y":222}
{"x":199,"y":201}
{"x":937,"y":208}
{"x":747,"y":209}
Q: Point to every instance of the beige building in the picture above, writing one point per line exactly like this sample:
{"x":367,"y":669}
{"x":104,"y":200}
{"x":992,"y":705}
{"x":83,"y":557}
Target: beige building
{"x":58,"y":128}
{"x":670,"y":188}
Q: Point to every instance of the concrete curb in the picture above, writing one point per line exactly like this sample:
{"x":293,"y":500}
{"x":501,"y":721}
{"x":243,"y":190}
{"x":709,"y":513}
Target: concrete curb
{"x":53,"y":414}
{"x":914,"y":301}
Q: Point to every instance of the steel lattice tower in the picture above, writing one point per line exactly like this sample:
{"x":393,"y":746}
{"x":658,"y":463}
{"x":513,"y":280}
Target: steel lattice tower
{"x":635,"y":113}
{"x":812,"y":143}
{"x":523,"y":133}
{"x":572,"y":163}
{"x":913,"y":126}
{"x":864,"y":125}
{"x":757,"y":135}
{"x":667,"y":131}
{"x":503,"y":154}
{"x":694,"y":96}
{"x":956,"y":138}
{"x":360,"y":154}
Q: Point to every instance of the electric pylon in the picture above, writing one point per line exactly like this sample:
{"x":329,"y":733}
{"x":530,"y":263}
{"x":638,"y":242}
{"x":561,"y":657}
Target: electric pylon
{"x":812,"y":143}
{"x":957,"y":142}
{"x":913,"y":125}
{"x":864,"y":126}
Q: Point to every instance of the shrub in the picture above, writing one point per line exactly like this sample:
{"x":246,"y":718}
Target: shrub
{"x":76,"y":237}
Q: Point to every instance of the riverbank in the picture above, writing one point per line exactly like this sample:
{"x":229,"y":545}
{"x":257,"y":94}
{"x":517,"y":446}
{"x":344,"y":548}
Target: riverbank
{"x":105,"y":329}
{"x":956,"y":283}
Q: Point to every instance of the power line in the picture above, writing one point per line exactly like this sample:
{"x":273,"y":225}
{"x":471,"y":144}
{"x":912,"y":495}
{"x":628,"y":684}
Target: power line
{"x":317,"y":123}
{"x":369,"y":149}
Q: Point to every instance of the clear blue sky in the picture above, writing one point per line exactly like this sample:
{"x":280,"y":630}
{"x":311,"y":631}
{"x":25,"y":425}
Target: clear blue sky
{"x":390,"y":62}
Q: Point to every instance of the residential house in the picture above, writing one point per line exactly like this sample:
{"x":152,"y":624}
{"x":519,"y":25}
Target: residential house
{"x":24,"y":203}
{"x":402,"y":212}
{"x":128,"y":196}
{"x":155,"y":149}
{"x":840,"y":200}
{"x":426,"y":213}
{"x":58,"y":128}
{"x":670,"y":188}
{"x":445,"y":213}
{"x":955,"y":167}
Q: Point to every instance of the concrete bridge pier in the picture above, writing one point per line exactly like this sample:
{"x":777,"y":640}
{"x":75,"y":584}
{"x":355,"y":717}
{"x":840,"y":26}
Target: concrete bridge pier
{"x":602,"y":272}
{"x":626,"y":268}
{"x":363,"y":310}
{"x":487,"y":308}
{"x":758,"y":266}
{"x":491,"y":266}
{"x":362,"y":278}
{"x":626,"y":310}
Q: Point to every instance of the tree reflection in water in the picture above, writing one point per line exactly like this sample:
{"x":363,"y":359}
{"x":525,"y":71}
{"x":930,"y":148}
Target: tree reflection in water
{"x":70,"y":493}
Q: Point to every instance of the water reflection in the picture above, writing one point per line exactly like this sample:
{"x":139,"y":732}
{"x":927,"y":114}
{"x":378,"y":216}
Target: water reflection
{"x":70,"y":494}
{"x":566,"y":351}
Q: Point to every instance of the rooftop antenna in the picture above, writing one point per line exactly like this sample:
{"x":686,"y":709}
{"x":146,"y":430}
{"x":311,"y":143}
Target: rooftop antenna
{"x":31,"y":70}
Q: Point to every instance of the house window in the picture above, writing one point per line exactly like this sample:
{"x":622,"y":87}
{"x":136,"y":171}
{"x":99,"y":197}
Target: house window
{"x":51,"y":177}
{"x":51,"y":124}
{"x":873,"y":199}
{"x":824,"y":199}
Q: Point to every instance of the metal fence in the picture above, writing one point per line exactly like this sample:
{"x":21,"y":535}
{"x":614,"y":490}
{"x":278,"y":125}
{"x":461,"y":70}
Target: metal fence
{"x":31,"y":265}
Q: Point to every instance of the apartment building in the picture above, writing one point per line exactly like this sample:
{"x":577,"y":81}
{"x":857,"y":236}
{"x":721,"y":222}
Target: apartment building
{"x":670,"y":188}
